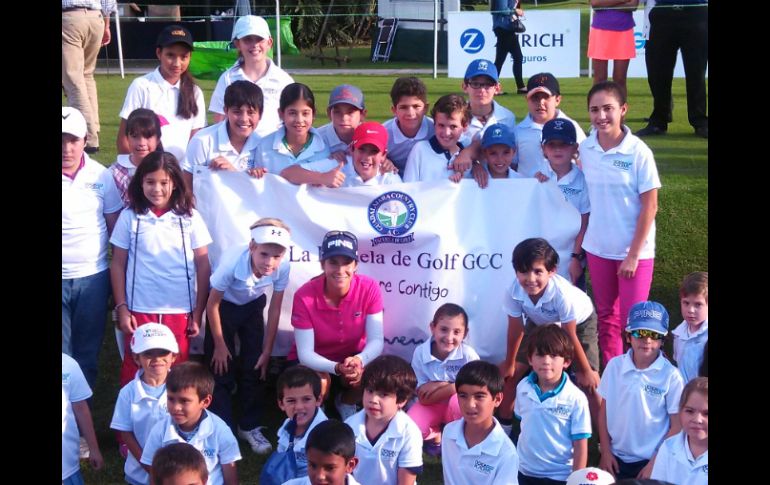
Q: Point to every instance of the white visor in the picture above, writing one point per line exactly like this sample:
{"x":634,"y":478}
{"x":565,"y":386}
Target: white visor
{"x":271,"y":234}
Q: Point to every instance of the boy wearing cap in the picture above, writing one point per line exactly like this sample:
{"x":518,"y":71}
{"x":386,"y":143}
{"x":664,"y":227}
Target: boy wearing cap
{"x":560,"y":150}
{"x":169,"y":91}
{"x":252,"y":37}
{"x":142,"y":402}
{"x":543,"y":99}
{"x":346,"y":110}
{"x":498,"y":146}
{"x":481,"y":83}
{"x":90,"y":207}
{"x":236,"y":306}
{"x":229,"y":144}
{"x":640,"y":393}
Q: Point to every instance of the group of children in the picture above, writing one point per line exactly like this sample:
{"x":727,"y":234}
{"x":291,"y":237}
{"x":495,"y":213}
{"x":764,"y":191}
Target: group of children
{"x":161,"y":282}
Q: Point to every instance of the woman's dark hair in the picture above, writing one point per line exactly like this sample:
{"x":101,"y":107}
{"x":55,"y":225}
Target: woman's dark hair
{"x":181,"y":196}
{"x":144,"y":122}
{"x":293,"y":93}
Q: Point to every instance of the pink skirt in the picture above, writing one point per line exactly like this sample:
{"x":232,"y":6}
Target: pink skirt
{"x":611,"y":44}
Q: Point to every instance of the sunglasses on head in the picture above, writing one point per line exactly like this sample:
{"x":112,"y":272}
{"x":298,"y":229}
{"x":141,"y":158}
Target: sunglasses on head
{"x":340,"y":233}
{"x":646,"y":334}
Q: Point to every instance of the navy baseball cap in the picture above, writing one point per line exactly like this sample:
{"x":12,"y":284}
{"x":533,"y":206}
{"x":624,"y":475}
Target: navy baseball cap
{"x":559,"y":129}
{"x":347,"y":93}
{"x":174,"y":34}
{"x":498,"y":134}
{"x":648,"y":315}
{"x":339,"y":243}
{"x":482,"y":67}
{"x":544,"y":82}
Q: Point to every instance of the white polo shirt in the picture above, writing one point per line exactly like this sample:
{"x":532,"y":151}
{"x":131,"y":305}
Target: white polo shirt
{"x":74,"y":388}
{"x":500,"y":114}
{"x":399,"y":145}
{"x":429,"y":161}
{"x":529,"y":151}
{"x":561,"y":302}
{"x":214,"y":440}
{"x":271,"y":153}
{"x":161,"y":278}
{"x":616,"y":179}
{"x":153,"y":92}
{"x":573,"y":186}
{"x":214,"y":141}
{"x":430,"y":369}
{"x":688,"y":349}
{"x":675,"y":463}
{"x":137,"y":412}
{"x":84,"y":201}
{"x":550,"y":422}
{"x":349,"y":480}
{"x":494,"y":461}
{"x":299,"y":443}
{"x":639,"y":402}
{"x":272,"y":83}
{"x":352,"y":179}
{"x":237,"y":281}
{"x":331,"y":139}
{"x":400,"y":446}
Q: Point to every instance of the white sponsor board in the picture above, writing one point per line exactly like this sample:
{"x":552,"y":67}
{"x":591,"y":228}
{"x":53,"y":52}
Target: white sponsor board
{"x":427,"y":243}
{"x":550,"y":44}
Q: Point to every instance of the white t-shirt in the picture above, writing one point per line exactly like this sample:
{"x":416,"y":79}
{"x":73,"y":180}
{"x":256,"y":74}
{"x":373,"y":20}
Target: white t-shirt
{"x":214,"y":141}
{"x":494,"y":461}
{"x":639,"y":402}
{"x":238,"y":282}
{"x":561,"y":302}
{"x":500,"y":114}
{"x":529,"y":151}
{"x":299,"y":443}
{"x":153,"y":92}
{"x":161,"y":277}
{"x":214,"y":440}
{"x":675,"y":463}
{"x":399,"y":145}
{"x":400,"y":446}
{"x":84,"y":201}
{"x":74,"y":388}
{"x":549,"y":427}
{"x":271,"y":153}
{"x":573,"y":186}
{"x":688,"y":349}
{"x":429,"y":161}
{"x":616,"y":179}
{"x":430,"y":369}
{"x":137,"y":412}
{"x":272,"y":83}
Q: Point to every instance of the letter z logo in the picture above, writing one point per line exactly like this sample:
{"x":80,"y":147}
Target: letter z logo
{"x":472,"y":41}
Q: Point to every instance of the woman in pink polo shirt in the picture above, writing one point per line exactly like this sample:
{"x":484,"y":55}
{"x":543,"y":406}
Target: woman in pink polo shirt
{"x":337,"y":319}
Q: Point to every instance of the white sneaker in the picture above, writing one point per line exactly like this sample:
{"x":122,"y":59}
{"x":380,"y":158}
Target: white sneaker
{"x":345,"y":410}
{"x":256,"y":440}
{"x":85,"y":451}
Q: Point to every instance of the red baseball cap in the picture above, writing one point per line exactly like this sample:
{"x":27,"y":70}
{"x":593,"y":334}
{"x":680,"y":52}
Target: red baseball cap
{"x":373,"y":133}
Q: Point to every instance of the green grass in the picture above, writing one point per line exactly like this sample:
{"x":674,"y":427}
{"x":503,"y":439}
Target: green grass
{"x":682,"y":220}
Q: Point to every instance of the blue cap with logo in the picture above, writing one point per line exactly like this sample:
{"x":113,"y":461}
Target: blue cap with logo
{"x":648,"y":315}
{"x":339,"y":243}
{"x":481,"y":67}
{"x":347,"y":93}
{"x":498,"y":134}
{"x":559,"y":129}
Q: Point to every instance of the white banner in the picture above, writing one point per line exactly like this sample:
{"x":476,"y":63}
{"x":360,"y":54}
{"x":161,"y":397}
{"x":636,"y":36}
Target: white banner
{"x":550,"y":44}
{"x":449,"y":243}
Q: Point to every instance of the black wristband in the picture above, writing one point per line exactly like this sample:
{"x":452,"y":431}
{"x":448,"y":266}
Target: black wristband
{"x":579,"y":256}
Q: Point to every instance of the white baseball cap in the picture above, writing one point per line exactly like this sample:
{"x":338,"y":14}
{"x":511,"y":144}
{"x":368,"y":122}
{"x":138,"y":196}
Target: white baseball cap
{"x":72,"y":122}
{"x":271,"y":234}
{"x":251,"y":25}
{"x":590,"y":476}
{"x":153,"y":336}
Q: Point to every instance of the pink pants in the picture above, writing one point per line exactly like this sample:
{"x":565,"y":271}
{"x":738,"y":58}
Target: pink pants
{"x":178,"y":325}
{"x":430,"y":417}
{"x":613,"y":297}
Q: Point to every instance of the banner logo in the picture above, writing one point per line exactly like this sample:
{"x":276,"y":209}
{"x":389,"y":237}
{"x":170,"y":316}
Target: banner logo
{"x":472,"y":41}
{"x":392,"y":214}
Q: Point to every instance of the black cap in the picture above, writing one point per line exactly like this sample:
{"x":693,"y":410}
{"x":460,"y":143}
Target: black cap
{"x":339,"y":243}
{"x":545,"y":81}
{"x":174,"y":34}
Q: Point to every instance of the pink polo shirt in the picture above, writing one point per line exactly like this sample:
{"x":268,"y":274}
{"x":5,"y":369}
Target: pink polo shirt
{"x":338,"y":332}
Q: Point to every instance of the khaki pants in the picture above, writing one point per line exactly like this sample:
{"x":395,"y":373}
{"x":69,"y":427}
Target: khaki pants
{"x":81,"y":38}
